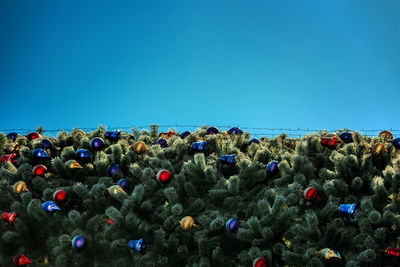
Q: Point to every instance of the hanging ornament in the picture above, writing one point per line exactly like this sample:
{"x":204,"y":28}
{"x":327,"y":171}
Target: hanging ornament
{"x":184,"y":134}
{"x":330,"y":142}
{"x":212,"y":130}
{"x":9,"y":158}
{"x":13,"y":136}
{"x":395,"y":252}
{"x":260,"y":262}
{"x":21,"y":259}
{"x":83,"y":155}
{"x":291,"y":143}
{"x":140,"y":147}
{"x":114,"y":189}
{"x":350,"y":209}
{"x":168,"y":134}
{"x":254,"y":140}
{"x":124,"y":184}
{"x":39,"y":154}
{"x":187,"y":223}
{"x":311,"y":193}
{"x":47,"y":144}
{"x":228,"y":159}
{"x":9,"y":217}
{"x":113,"y":169}
{"x":72,"y":164}
{"x":11,"y":148}
{"x":139,"y":245}
{"x":97,"y":144}
{"x":386,"y":135}
{"x":272,"y":167}
{"x":162,"y":142}
{"x":164,"y":176}
{"x":378,"y":149}
{"x":110,"y":222}
{"x":50,"y":206}
{"x":79,"y":242}
{"x":200,"y":146}
{"x":33,"y":135}
{"x":60,"y":196}
{"x":39,"y":170}
{"x":396,"y":143}
{"x":327,"y":254}
{"x":232,"y":225}
{"x":235,"y":130}
{"x":113,"y":135}
{"x":346,"y":137}
{"x":20,"y":187}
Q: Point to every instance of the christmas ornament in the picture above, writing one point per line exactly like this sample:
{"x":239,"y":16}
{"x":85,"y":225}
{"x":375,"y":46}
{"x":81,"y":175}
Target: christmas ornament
{"x":287,"y":242}
{"x":113,"y":135}
{"x":291,"y":143}
{"x":168,"y":134}
{"x":139,"y":245}
{"x":110,"y":222}
{"x":327,"y":254}
{"x":235,"y":130}
{"x":39,"y":154}
{"x":310,"y":193}
{"x":97,"y":144}
{"x":185,"y":134}
{"x":83,"y":155}
{"x":114,"y":189}
{"x":33,"y":135}
{"x":20,"y":187}
{"x":330,"y":142}
{"x":113,"y":169}
{"x":47,"y":144}
{"x":73,"y":164}
{"x":50,"y":206}
{"x":187,"y":223}
{"x":124,"y":184}
{"x":212,"y":130}
{"x":272,"y":167}
{"x":21,"y":259}
{"x":9,"y":217}
{"x":78,"y":131}
{"x":396,"y":143}
{"x":9,"y":158}
{"x":260,"y":262}
{"x":350,"y":209}
{"x":60,"y":196}
{"x":254,"y":140}
{"x":228,"y":159}
{"x":162,"y":142}
{"x":346,"y":137}
{"x":232,"y":225}
{"x":164,"y":176}
{"x":200,"y":146}
{"x":39,"y":170}
{"x":13,"y":136}
{"x":140,"y":147}
{"x":395,"y":252}
{"x":11,"y":148}
{"x":378,"y":149}
{"x":79,"y":242}
{"x":386,"y":135}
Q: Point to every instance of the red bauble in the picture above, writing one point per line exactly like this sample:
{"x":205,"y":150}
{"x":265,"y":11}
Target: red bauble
{"x":260,"y":262}
{"x":164,"y":176}
{"x":9,"y":217}
{"x":60,"y":196}
{"x":310,"y":193}
{"x":9,"y":158}
{"x":330,"y":142}
{"x":21,"y":259}
{"x":33,"y":135}
{"x":39,"y":170}
{"x":111,"y":221}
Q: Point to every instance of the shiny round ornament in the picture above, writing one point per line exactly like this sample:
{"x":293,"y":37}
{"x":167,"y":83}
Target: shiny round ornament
{"x":187,"y":223}
{"x":9,"y":217}
{"x":110,"y":222}
{"x":140,"y":147}
{"x":228,"y":159}
{"x":114,"y":168}
{"x":60,"y":196}
{"x":47,"y":144}
{"x":184,"y":134}
{"x":11,"y":148}
{"x":272,"y":167}
{"x":396,"y":143}
{"x":83,"y":155}
{"x":113,"y":135}
{"x":350,"y":209}
{"x":97,"y":144}
{"x":346,"y":137}
{"x":212,"y":130}
{"x":72,"y":164}
{"x":39,"y":170}
{"x":328,"y":254}
{"x":50,"y":206}
{"x":33,"y":135}
{"x":232,"y":225}
{"x":200,"y":146}
{"x":39,"y":154}
{"x":254,"y":140}
{"x":330,"y":142}
{"x":164,"y":176}
{"x":139,"y":245}
{"x":260,"y":262}
{"x":378,"y":149}
{"x":386,"y":135}
{"x":13,"y":136}
{"x":311,"y":193}
{"x":79,"y":242}
{"x":162,"y":142}
{"x":21,"y":259}
{"x":9,"y":158}
{"x":124,"y":184}
{"x":235,"y":130}
{"x":20,"y":187}
{"x":115,"y":189}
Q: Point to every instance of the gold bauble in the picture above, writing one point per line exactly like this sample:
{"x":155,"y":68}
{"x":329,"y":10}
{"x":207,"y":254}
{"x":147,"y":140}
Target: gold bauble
{"x":114,"y":189}
{"x":73,"y":164}
{"x":20,"y":187}
{"x":11,"y":148}
{"x":140,"y":147}
{"x":386,"y":135}
{"x":187,"y":223}
{"x":378,"y":149}
{"x":327,"y":254}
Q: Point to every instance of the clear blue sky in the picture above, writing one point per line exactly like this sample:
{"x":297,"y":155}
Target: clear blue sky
{"x":277,"y":64}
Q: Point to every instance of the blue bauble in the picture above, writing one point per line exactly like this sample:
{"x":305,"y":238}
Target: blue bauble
{"x":139,"y":245}
{"x":79,"y":242}
{"x":235,"y":130}
{"x":254,"y":140}
{"x":200,"y":146}
{"x":113,"y":135}
{"x":50,"y":206}
{"x":124,"y":184}
{"x":47,"y":144}
{"x":162,"y":142}
{"x":97,"y":143}
{"x":272,"y":167}
{"x":350,"y":209}
{"x":228,"y":159}
{"x":12,"y":136}
{"x":346,"y":137}
{"x":113,"y":169}
{"x":396,"y":143}
{"x":232,"y":225}
{"x":83,"y":155}
{"x":212,"y":130}
{"x":39,"y":153}
{"x":184,"y":134}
